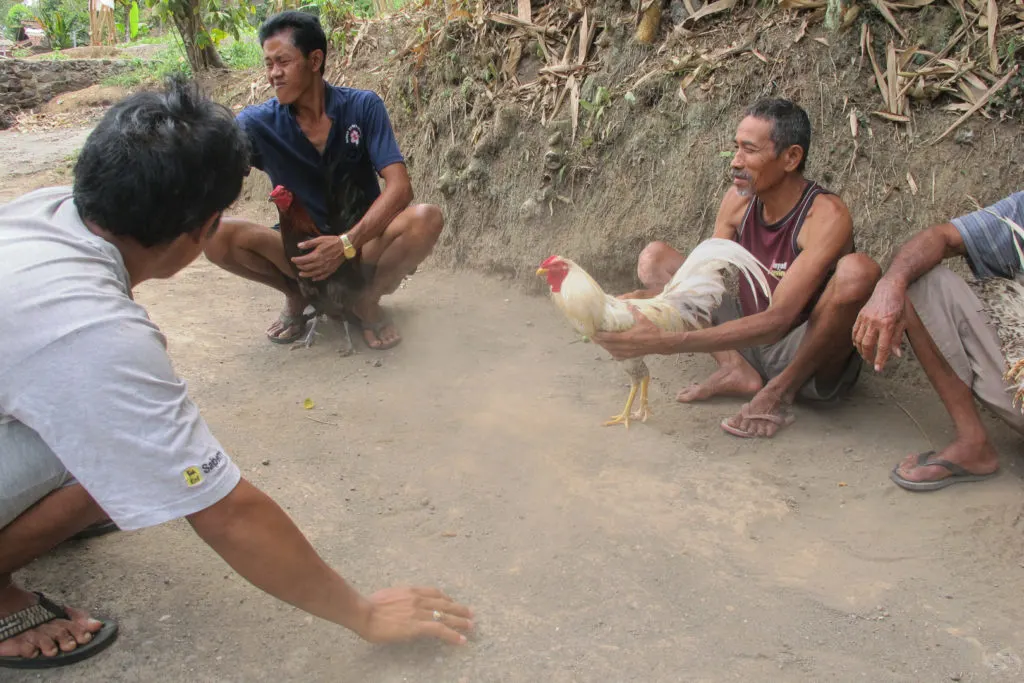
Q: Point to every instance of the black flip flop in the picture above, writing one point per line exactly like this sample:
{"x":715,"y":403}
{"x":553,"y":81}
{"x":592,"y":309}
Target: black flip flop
{"x":957,"y":475}
{"x":41,"y":613}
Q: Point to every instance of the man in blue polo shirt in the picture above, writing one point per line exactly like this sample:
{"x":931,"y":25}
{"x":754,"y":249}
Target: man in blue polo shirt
{"x":309,"y":133}
{"x":954,"y":340}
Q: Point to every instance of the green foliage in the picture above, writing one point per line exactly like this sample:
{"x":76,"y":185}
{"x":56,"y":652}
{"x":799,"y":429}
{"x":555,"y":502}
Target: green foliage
{"x":15,"y":15}
{"x":133,"y":21}
{"x":66,"y":22}
{"x":169,"y":61}
{"x":243,"y":54}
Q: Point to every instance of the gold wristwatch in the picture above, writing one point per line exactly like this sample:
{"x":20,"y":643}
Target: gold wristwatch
{"x":350,"y":251}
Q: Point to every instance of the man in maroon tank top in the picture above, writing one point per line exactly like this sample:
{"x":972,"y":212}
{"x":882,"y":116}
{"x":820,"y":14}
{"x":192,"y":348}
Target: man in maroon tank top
{"x":800,"y":344}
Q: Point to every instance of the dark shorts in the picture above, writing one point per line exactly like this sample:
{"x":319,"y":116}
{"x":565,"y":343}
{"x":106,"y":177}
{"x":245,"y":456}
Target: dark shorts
{"x":769,"y":360}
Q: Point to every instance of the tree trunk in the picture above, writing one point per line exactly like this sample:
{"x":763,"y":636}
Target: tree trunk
{"x":199,"y":48}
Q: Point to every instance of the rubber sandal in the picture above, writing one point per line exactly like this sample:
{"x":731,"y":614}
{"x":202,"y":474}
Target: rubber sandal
{"x":781,"y":421}
{"x":44,"y":612}
{"x":958,"y":475}
{"x":298,"y":321}
{"x":376,"y":328}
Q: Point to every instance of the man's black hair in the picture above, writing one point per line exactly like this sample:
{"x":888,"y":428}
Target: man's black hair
{"x":307,"y":34}
{"x":160,"y":164}
{"x":790,"y":125}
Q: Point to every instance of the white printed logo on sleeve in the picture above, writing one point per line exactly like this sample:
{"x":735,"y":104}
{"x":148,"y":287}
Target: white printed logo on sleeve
{"x":194,"y":475}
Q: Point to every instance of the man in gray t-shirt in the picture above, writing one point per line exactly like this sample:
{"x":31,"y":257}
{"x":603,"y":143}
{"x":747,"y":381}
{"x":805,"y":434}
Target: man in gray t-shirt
{"x":95,"y":425}
{"x":955,"y":342}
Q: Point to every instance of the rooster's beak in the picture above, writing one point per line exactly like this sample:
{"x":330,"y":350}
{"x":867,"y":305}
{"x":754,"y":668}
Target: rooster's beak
{"x":542,"y":271}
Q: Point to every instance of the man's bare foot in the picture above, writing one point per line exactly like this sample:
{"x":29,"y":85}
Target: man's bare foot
{"x":766,"y":414}
{"x":290,"y":324}
{"x":977,"y":457}
{"x":49,"y":639}
{"x":728,"y":380}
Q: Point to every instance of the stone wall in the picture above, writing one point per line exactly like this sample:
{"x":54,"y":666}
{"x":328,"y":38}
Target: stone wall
{"x":27,"y":84}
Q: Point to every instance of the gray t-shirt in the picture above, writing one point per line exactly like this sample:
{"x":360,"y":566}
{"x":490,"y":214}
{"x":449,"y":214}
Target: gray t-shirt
{"x":83,"y":366}
{"x":990,"y":241}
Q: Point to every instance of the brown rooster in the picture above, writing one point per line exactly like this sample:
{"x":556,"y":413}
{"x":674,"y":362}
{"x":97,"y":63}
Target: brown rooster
{"x":333,"y":296}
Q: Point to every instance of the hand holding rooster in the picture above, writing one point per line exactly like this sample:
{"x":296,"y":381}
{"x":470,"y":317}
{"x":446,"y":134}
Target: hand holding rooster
{"x":327,"y":255}
{"x":644,"y":338}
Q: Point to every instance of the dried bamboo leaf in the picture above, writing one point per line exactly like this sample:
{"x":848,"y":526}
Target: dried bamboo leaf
{"x":708,"y":10}
{"x":823,"y":41}
{"x":981,"y":103}
{"x":892,"y":78}
{"x":883,"y":9}
{"x":849,"y":16}
{"x":879,"y":78}
{"x":574,"y":103}
{"x":525,"y":11}
{"x":889,"y":116}
{"x":912,"y":183}
{"x":993,"y":23}
{"x":801,"y":33}
{"x":854,"y":123}
{"x":802,"y":4}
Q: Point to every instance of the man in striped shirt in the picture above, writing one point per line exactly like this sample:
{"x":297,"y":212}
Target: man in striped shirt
{"x":955,"y":342}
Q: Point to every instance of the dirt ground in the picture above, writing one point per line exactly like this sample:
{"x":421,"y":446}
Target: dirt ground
{"x":472,"y":457}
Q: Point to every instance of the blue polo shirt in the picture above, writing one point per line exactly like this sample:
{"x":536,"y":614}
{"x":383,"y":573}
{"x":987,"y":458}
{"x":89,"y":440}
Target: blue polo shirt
{"x":361,"y":143}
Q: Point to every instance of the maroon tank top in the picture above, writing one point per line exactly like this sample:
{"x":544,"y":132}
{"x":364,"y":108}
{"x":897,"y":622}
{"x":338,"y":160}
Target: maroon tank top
{"x":775,"y":246}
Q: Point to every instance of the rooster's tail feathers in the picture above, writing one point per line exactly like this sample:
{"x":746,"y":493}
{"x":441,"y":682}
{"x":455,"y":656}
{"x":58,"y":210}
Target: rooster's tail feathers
{"x":698,"y":286}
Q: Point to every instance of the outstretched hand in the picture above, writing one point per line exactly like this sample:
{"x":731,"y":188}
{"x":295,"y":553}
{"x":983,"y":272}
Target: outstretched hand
{"x":643,"y":339}
{"x":401,"y":614}
{"x":880,"y":325}
{"x":326,"y":256}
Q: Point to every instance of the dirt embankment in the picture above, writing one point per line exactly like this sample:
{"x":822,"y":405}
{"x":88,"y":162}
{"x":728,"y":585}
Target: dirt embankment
{"x":473,"y":99}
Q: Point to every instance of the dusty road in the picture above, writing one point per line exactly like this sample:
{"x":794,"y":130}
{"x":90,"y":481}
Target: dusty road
{"x":471,"y":457}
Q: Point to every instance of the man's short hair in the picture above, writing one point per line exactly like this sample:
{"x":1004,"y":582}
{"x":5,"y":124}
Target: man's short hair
{"x":307,"y":34}
{"x":160,"y":164}
{"x":790,"y":125}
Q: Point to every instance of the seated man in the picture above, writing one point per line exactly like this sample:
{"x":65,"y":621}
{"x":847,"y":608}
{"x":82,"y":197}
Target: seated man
{"x":310,"y":136}
{"x":799,"y":344}
{"x":94,"y":422}
{"x":951,"y":336}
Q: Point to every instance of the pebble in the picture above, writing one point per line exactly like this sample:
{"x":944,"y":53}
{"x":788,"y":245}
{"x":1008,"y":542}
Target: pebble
{"x":425,"y":502}
{"x":164,"y":618}
{"x":266,"y":462}
{"x":378,"y":363}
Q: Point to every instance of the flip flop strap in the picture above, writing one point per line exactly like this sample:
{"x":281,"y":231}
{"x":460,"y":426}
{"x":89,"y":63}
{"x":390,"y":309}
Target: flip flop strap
{"x":27,"y":619}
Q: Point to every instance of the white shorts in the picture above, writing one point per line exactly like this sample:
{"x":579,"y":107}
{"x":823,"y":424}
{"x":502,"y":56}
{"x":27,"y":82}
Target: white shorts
{"x":29,"y":470}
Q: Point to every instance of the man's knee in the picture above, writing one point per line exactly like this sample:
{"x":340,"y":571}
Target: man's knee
{"x":656,"y":260}
{"x":218,"y":248}
{"x":428,"y":220}
{"x":855,"y":278}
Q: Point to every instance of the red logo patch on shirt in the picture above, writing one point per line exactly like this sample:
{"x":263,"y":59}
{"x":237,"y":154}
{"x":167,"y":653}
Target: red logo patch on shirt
{"x":354,"y":135}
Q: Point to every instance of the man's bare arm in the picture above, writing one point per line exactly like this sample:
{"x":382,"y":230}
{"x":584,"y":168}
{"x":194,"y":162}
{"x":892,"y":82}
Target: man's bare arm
{"x":255,"y":536}
{"x":878,"y":332}
{"x":826,"y":234}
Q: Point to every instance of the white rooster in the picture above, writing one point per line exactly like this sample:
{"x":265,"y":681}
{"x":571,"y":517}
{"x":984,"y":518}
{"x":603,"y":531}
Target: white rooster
{"x":686,"y":303}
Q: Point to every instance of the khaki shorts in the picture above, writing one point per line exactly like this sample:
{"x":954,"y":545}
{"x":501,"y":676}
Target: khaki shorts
{"x":771,"y":359}
{"x":953,"y":316}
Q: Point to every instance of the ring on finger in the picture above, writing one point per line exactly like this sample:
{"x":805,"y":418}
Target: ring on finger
{"x":438,"y":616}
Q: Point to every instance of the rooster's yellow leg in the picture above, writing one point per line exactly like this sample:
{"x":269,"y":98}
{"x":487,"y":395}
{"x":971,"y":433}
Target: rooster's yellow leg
{"x":623,"y":419}
{"x":643,"y":412}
